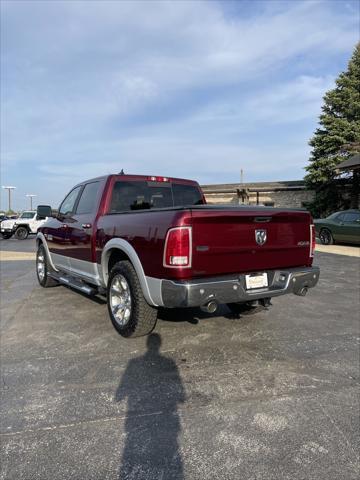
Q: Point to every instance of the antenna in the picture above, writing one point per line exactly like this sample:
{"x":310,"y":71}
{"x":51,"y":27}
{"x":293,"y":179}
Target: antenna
{"x":122,"y":172}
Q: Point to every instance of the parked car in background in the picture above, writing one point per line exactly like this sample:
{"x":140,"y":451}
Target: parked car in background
{"x":7,"y":227}
{"x":27,"y":223}
{"x":339,"y":227}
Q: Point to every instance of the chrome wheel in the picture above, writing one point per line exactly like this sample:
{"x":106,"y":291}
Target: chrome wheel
{"x":120,"y":299}
{"x":40,"y":266}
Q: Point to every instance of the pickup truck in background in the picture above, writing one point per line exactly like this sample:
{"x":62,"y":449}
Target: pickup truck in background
{"x":148,"y":242}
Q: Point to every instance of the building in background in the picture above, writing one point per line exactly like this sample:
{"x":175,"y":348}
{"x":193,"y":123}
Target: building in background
{"x":290,"y":194}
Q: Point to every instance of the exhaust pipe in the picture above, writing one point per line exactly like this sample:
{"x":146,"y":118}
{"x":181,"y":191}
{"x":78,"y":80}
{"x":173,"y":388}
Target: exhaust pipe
{"x":265,"y":302}
{"x":302,"y":292}
{"x":210,"y":307}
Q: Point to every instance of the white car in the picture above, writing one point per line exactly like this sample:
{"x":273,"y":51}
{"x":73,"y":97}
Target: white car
{"x":21,"y":227}
{"x":7,"y":227}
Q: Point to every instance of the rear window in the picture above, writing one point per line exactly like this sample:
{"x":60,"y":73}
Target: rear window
{"x":141,"y":195}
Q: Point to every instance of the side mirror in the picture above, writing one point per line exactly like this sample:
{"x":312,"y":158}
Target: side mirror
{"x":43,"y":211}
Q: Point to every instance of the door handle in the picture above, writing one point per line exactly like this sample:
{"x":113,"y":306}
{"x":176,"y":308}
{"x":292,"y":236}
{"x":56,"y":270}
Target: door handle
{"x":86,"y":225}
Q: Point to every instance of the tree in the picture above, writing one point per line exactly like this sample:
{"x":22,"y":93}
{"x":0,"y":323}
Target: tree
{"x":337,"y":137}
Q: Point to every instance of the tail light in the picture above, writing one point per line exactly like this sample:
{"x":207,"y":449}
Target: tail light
{"x":177,"y":251}
{"x":312,"y":240}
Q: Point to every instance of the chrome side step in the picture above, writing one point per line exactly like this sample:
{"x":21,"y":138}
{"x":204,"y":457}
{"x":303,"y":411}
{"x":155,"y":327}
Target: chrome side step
{"x":74,"y":283}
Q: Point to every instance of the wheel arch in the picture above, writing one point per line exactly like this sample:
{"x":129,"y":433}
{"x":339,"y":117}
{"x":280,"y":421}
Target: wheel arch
{"x":25,"y":225}
{"x":118,"y":249}
{"x":41,"y":240}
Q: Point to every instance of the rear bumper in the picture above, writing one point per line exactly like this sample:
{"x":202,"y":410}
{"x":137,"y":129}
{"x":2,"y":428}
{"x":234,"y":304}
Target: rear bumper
{"x":232,"y":289}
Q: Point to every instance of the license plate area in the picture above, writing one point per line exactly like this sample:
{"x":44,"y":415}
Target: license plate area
{"x":256,"y":280}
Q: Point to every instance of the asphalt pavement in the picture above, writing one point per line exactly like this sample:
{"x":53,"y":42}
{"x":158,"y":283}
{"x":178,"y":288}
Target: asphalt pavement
{"x":268,"y":396}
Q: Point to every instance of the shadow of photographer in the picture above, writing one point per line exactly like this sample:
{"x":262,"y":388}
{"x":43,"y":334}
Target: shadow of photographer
{"x":152,"y":386}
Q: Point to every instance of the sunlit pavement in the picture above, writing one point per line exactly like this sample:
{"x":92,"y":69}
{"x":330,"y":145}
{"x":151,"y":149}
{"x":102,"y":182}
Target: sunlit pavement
{"x":265,"y":396}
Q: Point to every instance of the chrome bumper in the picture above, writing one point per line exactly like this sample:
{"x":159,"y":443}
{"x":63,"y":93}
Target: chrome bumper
{"x":232,"y":289}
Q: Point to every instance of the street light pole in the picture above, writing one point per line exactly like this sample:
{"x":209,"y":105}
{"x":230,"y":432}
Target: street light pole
{"x":9,"y":193}
{"x":31,"y":196}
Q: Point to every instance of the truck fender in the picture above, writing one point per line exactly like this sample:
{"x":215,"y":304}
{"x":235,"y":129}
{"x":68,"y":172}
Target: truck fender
{"x":125,"y":247}
{"x":40,"y":238}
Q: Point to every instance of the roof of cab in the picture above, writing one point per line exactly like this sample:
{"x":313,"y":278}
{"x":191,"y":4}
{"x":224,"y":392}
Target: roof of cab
{"x":130,"y":177}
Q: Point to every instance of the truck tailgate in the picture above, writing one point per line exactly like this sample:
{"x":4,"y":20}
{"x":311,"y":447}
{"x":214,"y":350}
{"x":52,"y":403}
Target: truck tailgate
{"x":224,"y":240}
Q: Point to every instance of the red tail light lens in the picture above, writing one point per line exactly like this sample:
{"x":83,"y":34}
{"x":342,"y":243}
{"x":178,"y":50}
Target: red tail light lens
{"x":312,"y":240}
{"x":158,"y":179}
{"x":177,"y":252}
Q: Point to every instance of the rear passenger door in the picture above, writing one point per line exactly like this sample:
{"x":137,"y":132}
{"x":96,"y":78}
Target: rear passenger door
{"x":81,"y":230}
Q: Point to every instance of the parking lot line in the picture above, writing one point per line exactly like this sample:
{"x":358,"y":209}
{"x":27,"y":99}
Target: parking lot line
{"x":16,"y":256}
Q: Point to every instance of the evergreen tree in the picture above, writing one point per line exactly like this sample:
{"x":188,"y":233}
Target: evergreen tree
{"x":337,"y":137}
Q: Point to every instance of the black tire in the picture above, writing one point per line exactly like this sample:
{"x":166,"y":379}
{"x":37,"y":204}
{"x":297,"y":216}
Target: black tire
{"x":326,"y":237}
{"x":142,"y":317}
{"x":21,"y":233}
{"x":44,"y":281}
{"x":5,"y":236}
{"x":246,"y":308}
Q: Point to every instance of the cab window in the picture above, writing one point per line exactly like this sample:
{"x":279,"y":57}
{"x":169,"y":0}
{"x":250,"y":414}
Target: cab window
{"x":87,"y":202}
{"x":68,"y":204}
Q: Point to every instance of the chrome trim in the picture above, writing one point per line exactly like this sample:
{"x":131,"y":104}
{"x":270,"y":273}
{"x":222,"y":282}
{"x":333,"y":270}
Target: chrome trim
{"x":89,"y":271}
{"x":232,"y":289}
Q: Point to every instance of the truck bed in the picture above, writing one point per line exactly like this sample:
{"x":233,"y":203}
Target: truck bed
{"x":223,"y":238}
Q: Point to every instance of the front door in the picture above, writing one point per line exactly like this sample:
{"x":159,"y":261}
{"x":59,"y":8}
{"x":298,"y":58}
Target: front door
{"x":56,"y":231}
{"x":81,"y":231}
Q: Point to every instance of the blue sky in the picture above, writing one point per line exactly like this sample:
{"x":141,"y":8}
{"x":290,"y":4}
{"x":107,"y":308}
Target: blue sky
{"x":178,"y":88}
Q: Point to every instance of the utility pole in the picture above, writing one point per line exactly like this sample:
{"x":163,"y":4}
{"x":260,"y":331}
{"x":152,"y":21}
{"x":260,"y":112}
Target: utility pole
{"x":9,"y":193}
{"x":31,"y":196}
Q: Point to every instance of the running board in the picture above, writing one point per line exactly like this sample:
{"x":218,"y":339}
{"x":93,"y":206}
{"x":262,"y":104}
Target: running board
{"x":74,"y":283}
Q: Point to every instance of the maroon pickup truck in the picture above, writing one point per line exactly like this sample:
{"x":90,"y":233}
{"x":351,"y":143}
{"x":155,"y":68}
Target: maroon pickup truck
{"x":148,"y":242}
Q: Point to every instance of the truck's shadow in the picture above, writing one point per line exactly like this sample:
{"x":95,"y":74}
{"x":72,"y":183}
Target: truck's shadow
{"x":152,"y":386}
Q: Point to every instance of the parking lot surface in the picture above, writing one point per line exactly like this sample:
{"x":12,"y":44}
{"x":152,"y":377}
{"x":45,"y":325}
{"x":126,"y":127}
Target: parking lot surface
{"x":267,"y":396}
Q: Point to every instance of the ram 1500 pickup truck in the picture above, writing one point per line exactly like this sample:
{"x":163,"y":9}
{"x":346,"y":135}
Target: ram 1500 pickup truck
{"x":148,"y":242}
